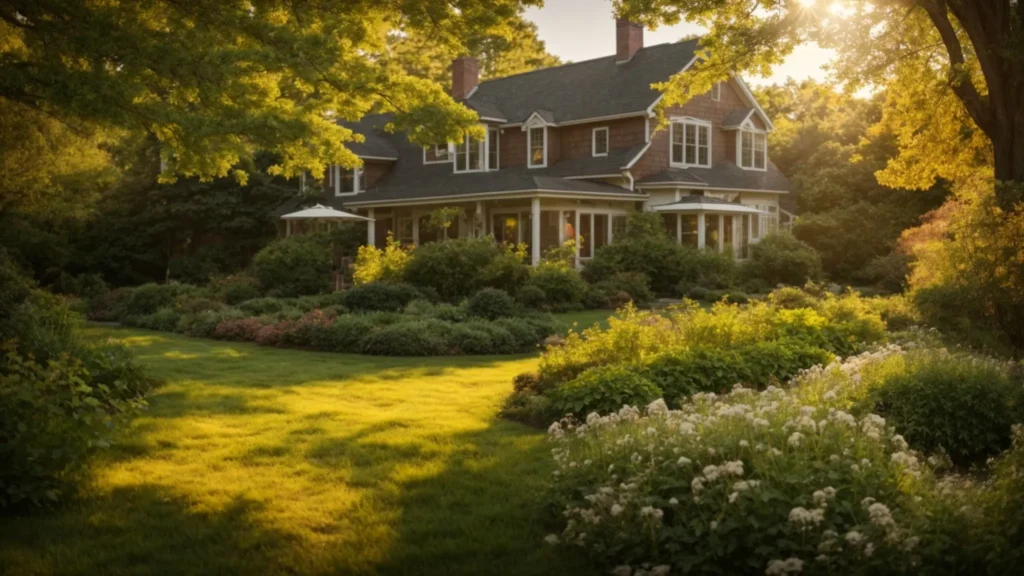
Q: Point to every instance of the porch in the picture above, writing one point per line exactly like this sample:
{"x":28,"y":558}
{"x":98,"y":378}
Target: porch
{"x":707,"y":222}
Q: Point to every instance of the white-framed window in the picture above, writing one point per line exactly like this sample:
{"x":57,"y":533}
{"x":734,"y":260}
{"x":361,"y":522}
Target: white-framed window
{"x":493,"y":146}
{"x":470,"y":155}
{"x":716,"y":91}
{"x":537,"y":147}
{"x":437,"y":154}
{"x":343,"y":181}
{"x":599,"y":141}
{"x":690,"y":143}
{"x":752,"y":150}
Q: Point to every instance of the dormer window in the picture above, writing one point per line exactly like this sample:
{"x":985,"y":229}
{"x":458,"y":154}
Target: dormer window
{"x":537,"y":147}
{"x":752,"y":150}
{"x":437,"y":154}
{"x":690,"y":143}
{"x":599,"y":141}
{"x":470,"y":155}
{"x":343,"y":181}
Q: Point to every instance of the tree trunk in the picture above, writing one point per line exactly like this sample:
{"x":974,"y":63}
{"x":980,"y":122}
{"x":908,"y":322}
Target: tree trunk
{"x":1008,"y":148}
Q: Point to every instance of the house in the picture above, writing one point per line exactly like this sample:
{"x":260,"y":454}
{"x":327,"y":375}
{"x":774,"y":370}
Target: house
{"x":570,"y":151}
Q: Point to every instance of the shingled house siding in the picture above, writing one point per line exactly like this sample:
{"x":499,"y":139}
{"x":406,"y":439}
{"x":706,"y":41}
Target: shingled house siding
{"x":576,"y":140}
{"x":372,"y":172}
{"x":723,"y":143}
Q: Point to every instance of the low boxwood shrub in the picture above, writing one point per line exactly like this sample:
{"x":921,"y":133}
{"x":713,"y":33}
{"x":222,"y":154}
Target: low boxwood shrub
{"x":236,"y":288}
{"x":478,"y":337}
{"x":379,"y":297}
{"x":619,"y":289}
{"x":243,"y":329}
{"x":525,"y":335}
{"x":604,"y":389}
{"x":416,"y":338}
{"x":294,"y":266}
{"x":531,"y":296}
{"x":194,"y":303}
{"x":491,"y":304}
{"x":452,"y":267}
{"x":261,"y":306}
{"x":346,"y":334}
{"x":165,"y":319}
{"x":508,"y":271}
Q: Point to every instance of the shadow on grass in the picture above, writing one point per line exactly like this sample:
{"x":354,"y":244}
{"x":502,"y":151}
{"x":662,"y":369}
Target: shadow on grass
{"x":146,"y":530}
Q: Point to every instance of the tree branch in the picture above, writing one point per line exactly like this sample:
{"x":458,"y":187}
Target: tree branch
{"x":962,"y":87}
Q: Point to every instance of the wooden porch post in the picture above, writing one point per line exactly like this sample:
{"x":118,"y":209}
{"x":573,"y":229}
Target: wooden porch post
{"x":721,"y":233}
{"x":415,"y":227}
{"x":535,"y":231}
{"x":737,"y":232}
{"x":288,"y":228}
{"x":679,"y":228}
{"x":701,"y":225}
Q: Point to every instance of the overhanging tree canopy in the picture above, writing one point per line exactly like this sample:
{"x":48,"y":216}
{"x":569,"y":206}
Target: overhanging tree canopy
{"x":954,"y":69}
{"x":218,"y":80}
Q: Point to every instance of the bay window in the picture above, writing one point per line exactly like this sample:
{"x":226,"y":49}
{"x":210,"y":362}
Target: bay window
{"x":690,"y":142}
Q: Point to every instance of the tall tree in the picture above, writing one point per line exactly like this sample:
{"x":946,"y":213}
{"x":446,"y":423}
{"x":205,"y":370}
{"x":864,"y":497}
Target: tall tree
{"x":499,"y":54}
{"x":218,"y":80}
{"x":954,"y":69}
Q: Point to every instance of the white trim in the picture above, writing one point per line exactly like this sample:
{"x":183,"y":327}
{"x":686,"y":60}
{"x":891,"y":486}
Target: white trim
{"x":535,"y":120}
{"x":629,"y":175}
{"x":745,"y":121}
{"x":449,"y":160}
{"x":482,"y":151}
{"x":638,"y":156}
{"x":685,"y":121}
{"x":490,"y":119}
{"x":389,"y":158}
{"x":529,"y":146}
{"x":745,"y":90}
{"x":587,"y":177}
{"x":593,"y":141}
{"x":708,"y":207}
{"x":541,"y":193}
{"x":716,"y":92}
{"x":661,"y":185}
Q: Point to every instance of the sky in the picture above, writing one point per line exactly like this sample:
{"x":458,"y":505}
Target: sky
{"x":576,"y":30}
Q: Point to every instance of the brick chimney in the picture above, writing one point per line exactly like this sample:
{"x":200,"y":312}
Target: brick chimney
{"x":629,"y":37}
{"x":465,"y":76}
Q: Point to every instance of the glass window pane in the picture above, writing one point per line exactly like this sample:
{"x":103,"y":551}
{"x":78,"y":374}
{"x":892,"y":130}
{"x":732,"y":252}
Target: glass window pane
{"x":618,"y":226}
{"x":600,"y":231}
{"x":586,"y":236}
{"x":536,"y":146}
{"x":689,"y":223}
{"x":711,"y":231}
{"x":492,"y":149}
{"x":670,"y":221}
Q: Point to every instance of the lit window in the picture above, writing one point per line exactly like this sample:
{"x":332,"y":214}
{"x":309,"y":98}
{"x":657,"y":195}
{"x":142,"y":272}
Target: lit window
{"x":753,"y":150}
{"x":536,"y":144}
{"x":600,"y":142}
{"x":691,"y":143}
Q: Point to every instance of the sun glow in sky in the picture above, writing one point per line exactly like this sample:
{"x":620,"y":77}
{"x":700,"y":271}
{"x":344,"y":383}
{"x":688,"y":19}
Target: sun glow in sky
{"x":576,"y":30}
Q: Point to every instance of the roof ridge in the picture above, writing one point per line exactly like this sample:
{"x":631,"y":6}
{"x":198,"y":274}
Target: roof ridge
{"x":567,"y":64}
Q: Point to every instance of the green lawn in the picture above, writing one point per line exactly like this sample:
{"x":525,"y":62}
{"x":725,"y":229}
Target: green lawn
{"x":256,"y":460}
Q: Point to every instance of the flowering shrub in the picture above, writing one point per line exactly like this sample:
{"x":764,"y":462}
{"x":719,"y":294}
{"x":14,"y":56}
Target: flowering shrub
{"x":743,"y":483}
{"x":387,"y":265}
{"x":245,"y":329}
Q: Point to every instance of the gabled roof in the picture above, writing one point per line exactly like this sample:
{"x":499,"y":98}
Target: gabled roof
{"x":723,"y":175}
{"x":588,"y":89}
{"x":378,"y":144}
{"x":736,"y":118}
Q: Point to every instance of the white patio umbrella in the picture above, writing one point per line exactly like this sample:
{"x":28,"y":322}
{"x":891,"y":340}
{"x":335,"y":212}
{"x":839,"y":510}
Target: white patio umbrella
{"x":322,"y":213}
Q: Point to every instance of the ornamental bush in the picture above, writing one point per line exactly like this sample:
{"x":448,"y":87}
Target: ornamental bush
{"x":381,"y":265}
{"x":604,"y":389}
{"x":236,"y":288}
{"x":477,"y":337}
{"x":563,"y":287}
{"x":149,"y":298}
{"x":345,"y":334}
{"x":379,"y":297}
{"x":780,"y":258}
{"x":452,"y":267}
{"x":491,"y":304}
{"x":417,"y":338}
{"x":746,"y":483}
{"x":621,"y":288}
{"x":294,"y":266}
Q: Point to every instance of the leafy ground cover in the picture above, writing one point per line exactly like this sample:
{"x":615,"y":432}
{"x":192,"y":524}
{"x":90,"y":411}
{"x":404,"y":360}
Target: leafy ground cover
{"x":257,"y":460}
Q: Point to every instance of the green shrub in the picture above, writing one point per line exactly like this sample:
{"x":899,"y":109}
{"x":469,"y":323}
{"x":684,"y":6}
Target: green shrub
{"x":780,"y":258}
{"x":43,"y":325}
{"x":84,"y":285}
{"x":449,"y":313}
{"x":563,"y":287}
{"x":898,"y":312}
{"x":114,"y":365}
{"x":381,"y":265}
{"x":345,"y":334}
{"x":417,"y":338}
{"x":491,"y":304}
{"x":790,"y":298}
{"x":507,"y":272}
{"x":619,"y":289}
{"x":204,"y":324}
{"x":480,"y":337}
{"x":604,"y":389}
{"x":261,"y":306}
{"x":237,"y":288}
{"x":53,"y":419}
{"x":164,"y":319}
{"x":683,"y":373}
{"x":379,"y":297}
{"x":149,"y":298}
{"x":531,"y":296}
{"x":294,"y":266}
{"x":525,"y":334}
{"x":708,"y":268}
{"x":452,"y":267}
{"x":959,"y":403}
{"x":194,"y":303}
{"x":243,"y":329}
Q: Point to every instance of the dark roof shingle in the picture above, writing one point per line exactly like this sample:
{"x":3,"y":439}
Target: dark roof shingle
{"x":725,"y":175}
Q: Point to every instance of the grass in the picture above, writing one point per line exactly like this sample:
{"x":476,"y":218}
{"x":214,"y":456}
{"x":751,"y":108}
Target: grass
{"x":256,"y":460}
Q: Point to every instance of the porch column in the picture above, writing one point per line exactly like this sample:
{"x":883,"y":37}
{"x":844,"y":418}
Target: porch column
{"x":371,"y":229}
{"x":415,"y":228}
{"x":288,"y":228}
{"x":481,"y":230}
{"x":700,"y":230}
{"x":721,"y":233}
{"x":610,"y":218}
{"x":535,"y":231}
{"x":737,"y":232}
{"x":679,"y":226}
{"x":561,"y":227}
{"x":576,"y":231}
